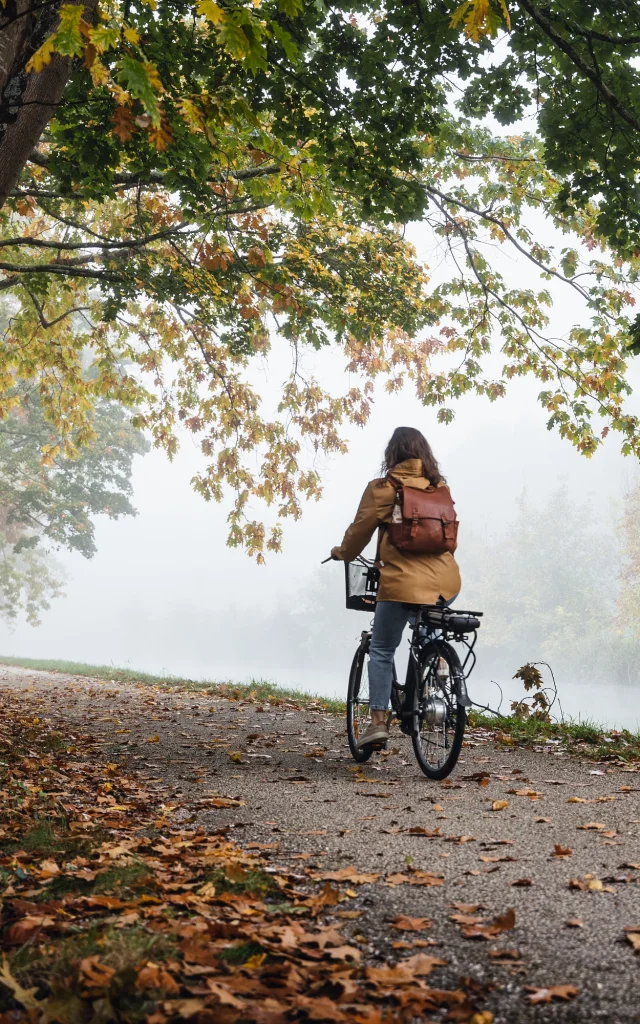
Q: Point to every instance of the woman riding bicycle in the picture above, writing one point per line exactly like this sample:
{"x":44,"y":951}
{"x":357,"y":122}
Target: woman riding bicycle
{"x":406,"y":579}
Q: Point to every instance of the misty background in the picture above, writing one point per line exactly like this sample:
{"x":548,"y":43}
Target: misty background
{"x":540,"y":552}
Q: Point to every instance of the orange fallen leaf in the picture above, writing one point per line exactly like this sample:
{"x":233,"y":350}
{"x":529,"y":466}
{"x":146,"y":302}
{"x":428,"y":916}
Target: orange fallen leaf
{"x":499,"y":805}
{"x":505,"y":954}
{"x":224,"y":996}
{"x":350,"y":874}
{"x":574,"y":922}
{"x":632,"y":935}
{"x":153,"y":739}
{"x":25,"y":929}
{"x":403,"y":923}
{"x":547,"y":995}
{"x":420,"y":964}
{"x":152,"y":976}
{"x":561,"y":851}
{"x":49,"y":869}
{"x":94,"y":976}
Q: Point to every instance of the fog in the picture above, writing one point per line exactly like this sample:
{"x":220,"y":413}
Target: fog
{"x":165,"y":594}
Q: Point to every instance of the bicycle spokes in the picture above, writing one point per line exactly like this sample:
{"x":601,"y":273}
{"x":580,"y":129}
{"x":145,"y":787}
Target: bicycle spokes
{"x":360,"y":701}
{"x":437,"y":712}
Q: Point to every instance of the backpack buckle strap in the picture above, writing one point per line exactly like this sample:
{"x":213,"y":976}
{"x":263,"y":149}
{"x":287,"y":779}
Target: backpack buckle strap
{"x":415,"y":519}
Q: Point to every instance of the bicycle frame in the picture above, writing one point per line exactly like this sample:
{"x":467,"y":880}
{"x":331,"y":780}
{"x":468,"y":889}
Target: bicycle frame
{"x":416,"y":641}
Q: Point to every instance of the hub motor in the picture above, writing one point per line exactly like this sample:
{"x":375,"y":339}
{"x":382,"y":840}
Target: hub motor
{"x":435,"y":712}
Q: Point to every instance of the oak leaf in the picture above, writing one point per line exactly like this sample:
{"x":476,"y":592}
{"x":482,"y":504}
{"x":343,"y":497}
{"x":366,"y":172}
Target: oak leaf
{"x":94,"y":976}
{"x":155,"y":977}
{"x":547,"y":995}
{"x":25,"y":996}
{"x":403,"y":923}
{"x":350,"y":874}
{"x":561,"y":851}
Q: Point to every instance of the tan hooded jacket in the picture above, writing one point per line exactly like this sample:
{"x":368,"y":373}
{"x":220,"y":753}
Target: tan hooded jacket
{"x":414,"y":579}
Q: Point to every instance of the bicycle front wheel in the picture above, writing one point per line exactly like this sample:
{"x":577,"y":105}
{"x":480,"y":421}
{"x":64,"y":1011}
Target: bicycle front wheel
{"x":438,"y":719}
{"x":358,"y":703}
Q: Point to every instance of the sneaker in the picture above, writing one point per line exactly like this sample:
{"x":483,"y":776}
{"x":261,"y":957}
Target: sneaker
{"x":374,"y":734}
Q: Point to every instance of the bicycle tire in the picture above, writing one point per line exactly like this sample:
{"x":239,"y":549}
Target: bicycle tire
{"x":454,"y":735}
{"x":353,"y":690}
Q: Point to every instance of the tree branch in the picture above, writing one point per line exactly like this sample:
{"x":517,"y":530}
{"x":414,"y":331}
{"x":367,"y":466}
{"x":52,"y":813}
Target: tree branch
{"x":126,"y":243}
{"x":51,"y":323}
{"x":573,"y":55}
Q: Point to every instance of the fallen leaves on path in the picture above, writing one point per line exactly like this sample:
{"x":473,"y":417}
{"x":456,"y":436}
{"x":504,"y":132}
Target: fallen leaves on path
{"x":414,"y":877}
{"x":113,"y":910}
{"x":589,"y":883}
{"x":473,"y":927}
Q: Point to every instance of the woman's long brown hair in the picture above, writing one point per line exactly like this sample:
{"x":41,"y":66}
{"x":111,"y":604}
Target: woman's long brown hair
{"x":409,"y":443}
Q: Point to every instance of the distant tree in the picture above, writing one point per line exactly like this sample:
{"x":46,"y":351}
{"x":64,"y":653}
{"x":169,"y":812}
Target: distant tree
{"x":49,"y":501}
{"x":628,"y":618}
{"x":548,"y":588}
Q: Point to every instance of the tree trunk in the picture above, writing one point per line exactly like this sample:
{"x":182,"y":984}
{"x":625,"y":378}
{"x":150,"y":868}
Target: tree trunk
{"x":27,"y":101}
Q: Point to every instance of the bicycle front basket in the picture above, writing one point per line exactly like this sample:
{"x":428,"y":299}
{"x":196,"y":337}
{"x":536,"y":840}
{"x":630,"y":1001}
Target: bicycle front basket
{"x":362,"y":586}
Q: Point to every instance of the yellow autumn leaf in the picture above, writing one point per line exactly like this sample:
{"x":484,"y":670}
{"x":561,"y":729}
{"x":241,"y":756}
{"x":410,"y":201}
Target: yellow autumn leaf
{"x":499,"y":805}
{"x":209,"y":9}
{"x":153,"y":739}
{"x":131,"y":35}
{"x":42,"y":56}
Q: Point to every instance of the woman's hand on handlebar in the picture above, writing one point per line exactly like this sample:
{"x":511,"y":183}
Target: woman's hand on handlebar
{"x":333,"y":557}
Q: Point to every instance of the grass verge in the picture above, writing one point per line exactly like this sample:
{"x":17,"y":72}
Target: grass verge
{"x":588,"y":739}
{"x":585,"y":738}
{"x":256,"y":689}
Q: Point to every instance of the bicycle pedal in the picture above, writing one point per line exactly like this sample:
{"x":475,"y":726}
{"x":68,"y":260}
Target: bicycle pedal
{"x":380,"y":745}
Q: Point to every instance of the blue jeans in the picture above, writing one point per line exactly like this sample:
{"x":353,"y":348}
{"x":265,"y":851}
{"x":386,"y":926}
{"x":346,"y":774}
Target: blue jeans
{"x":388,"y":626}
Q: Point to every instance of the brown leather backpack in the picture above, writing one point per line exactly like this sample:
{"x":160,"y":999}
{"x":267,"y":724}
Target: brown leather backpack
{"x":423,"y":522}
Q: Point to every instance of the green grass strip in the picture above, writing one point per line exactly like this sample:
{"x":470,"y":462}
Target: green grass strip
{"x":257,"y":689}
{"x":590,"y":738}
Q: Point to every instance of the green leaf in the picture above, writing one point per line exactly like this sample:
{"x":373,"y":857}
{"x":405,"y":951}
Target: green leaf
{"x":290,"y":7}
{"x":634,"y":334}
{"x":104,"y":37}
{"x":141,"y":80}
{"x":286,"y":41}
{"x":68,"y":39}
{"x":232,"y":36}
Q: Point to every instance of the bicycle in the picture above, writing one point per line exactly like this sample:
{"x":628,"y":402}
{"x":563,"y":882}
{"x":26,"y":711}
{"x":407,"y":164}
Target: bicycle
{"x":431,"y":704}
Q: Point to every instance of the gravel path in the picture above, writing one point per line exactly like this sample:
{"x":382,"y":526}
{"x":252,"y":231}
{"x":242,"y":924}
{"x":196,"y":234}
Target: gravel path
{"x":320,"y":813}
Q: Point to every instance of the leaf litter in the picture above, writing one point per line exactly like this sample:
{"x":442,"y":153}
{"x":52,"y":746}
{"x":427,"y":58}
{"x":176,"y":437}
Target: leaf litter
{"x":114,"y":910}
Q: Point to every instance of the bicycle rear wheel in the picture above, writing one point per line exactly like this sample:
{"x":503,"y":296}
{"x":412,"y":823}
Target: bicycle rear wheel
{"x":358,"y":703}
{"x":438,"y":719}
